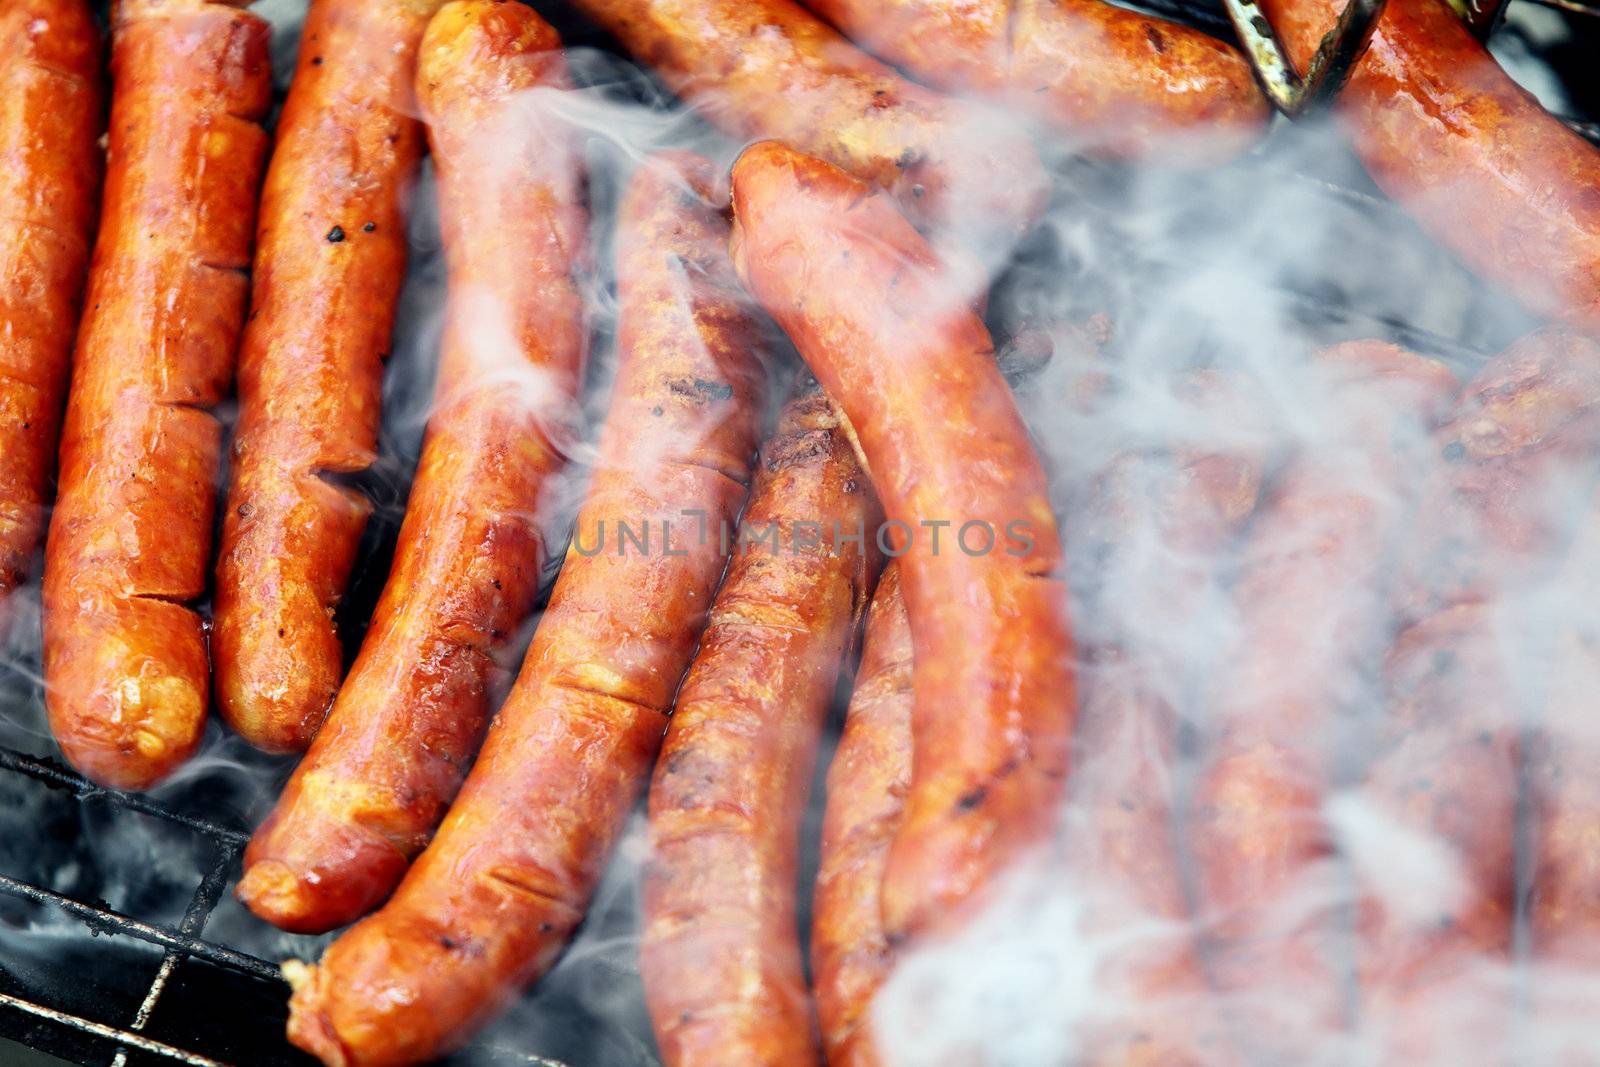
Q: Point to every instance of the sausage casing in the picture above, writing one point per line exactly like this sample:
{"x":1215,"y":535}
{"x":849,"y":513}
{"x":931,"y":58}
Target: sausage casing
{"x":1115,"y":81}
{"x":330,"y":258}
{"x":880,"y":322}
{"x":50,"y":80}
{"x":126,"y":671}
{"x":493,"y":899}
{"x":721,"y":958}
{"x":472,"y":547}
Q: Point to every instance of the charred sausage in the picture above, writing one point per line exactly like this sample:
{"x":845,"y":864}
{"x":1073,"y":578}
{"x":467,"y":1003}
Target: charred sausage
{"x":721,"y":959}
{"x":490,"y":903}
{"x":127,"y":678}
{"x":474,"y":541}
{"x":769,"y":68}
{"x":1483,"y":167}
{"x":50,"y":79}
{"x":1117,"y":82}
{"x":1267,"y":881}
{"x":875,"y":315}
{"x":330,"y":257}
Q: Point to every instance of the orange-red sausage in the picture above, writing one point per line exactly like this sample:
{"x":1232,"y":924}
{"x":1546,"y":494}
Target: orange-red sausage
{"x":887,"y":332}
{"x":330,"y":257}
{"x":1474,"y":157}
{"x":124,"y":652}
{"x":1161,"y":527}
{"x":474,"y":542}
{"x":1268,"y":884}
{"x":867,"y":782}
{"x":1442,"y":779}
{"x":721,"y":959}
{"x":1116,"y":82}
{"x":52,"y":109}
{"x":769,"y":68}
{"x":491,"y":902}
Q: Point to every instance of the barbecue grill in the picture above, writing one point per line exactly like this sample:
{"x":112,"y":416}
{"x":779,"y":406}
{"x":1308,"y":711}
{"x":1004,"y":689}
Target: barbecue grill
{"x":119,"y":942}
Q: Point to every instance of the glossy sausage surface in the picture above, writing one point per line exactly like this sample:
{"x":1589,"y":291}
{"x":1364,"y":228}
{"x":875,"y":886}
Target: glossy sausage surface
{"x":472,"y":547}
{"x":52,"y":109}
{"x":490,"y":903}
{"x":1487,"y":170}
{"x":126,"y":669}
{"x":1114,"y":81}
{"x":721,"y":959}
{"x":330,"y":257}
{"x":889,"y":333}
{"x":770,"y":68}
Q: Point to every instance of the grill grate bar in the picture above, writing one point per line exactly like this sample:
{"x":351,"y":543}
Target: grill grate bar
{"x":106,"y":921}
{"x":110,"y":1033}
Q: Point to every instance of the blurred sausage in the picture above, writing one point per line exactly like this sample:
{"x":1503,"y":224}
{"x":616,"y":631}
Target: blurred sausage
{"x":1434,"y":934}
{"x":1269,"y":886}
{"x":1487,"y":170}
{"x":474,"y":542}
{"x":867,"y":782}
{"x":724,"y":974}
{"x":489,"y":905}
{"x":769,"y":68}
{"x":1117,"y":82}
{"x":127,"y":679}
{"x":330,"y":257}
{"x":877,"y":318}
{"x":50,"y":79}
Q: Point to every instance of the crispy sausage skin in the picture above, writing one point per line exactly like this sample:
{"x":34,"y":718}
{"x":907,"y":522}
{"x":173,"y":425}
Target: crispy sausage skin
{"x":720,"y":957}
{"x":769,"y":68}
{"x":1160,"y":527}
{"x":877,"y":318}
{"x":490,"y":903}
{"x":1268,"y":884}
{"x":124,"y":654}
{"x":867,"y":784}
{"x":52,"y":109}
{"x":1117,"y":82}
{"x":330,"y":257}
{"x":1474,"y":157}
{"x":473,"y":544}
{"x":1444,"y":768}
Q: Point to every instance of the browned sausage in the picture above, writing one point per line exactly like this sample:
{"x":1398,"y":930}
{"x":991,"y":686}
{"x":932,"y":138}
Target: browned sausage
{"x":50,"y":80}
{"x":1117,"y":82}
{"x":867,"y":782}
{"x":721,"y":959}
{"x":124,"y":652}
{"x":1160,"y":526}
{"x":873,"y":312}
{"x":490,"y":903}
{"x":474,"y":541}
{"x":1268,"y":884}
{"x":1474,"y":157}
{"x":330,"y":257}
{"x":1443,"y":775}
{"x":769,"y":68}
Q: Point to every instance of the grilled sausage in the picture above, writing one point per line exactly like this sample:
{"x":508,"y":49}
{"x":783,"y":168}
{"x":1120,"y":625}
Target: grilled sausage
{"x":721,"y":959}
{"x":872,"y":311}
{"x":1117,"y":82}
{"x":1470,"y":153}
{"x":49,"y":79}
{"x":1160,"y":527}
{"x":124,"y":652}
{"x":1267,"y":882}
{"x":769,"y":68}
{"x":1444,"y":766}
{"x":474,"y":541}
{"x":330,"y":257}
{"x":490,"y":903}
{"x":867,"y":783}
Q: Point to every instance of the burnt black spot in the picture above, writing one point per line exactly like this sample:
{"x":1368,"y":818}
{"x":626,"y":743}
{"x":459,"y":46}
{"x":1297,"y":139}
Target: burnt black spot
{"x":497,"y":584}
{"x":1157,"y":39}
{"x":280,"y":631}
{"x":851,"y":486}
{"x":657,"y":410}
{"x":336,"y":235}
{"x":369,"y":227}
{"x":449,"y":944}
{"x":246,"y":509}
{"x":971,"y":800}
{"x":908,"y":159}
